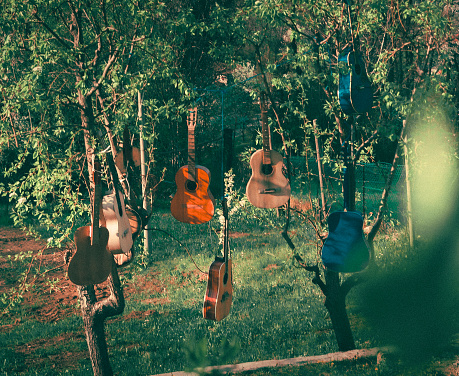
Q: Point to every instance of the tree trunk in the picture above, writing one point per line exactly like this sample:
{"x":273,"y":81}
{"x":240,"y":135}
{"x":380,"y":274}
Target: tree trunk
{"x":335,"y":302}
{"x":94,"y":314}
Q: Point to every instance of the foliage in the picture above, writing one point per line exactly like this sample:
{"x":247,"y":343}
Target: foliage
{"x":70,"y":75}
{"x":70,"y":70}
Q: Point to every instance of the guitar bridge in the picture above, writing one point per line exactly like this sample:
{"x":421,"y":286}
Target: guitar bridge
{"x":267,"y":191}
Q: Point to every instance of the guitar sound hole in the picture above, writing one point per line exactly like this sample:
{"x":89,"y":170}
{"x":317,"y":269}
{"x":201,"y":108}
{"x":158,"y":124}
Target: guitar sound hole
{"x":267,"y":169}
{"x":357,"y":69}
{"x":191,"y":185}
{"x":225,"y":278}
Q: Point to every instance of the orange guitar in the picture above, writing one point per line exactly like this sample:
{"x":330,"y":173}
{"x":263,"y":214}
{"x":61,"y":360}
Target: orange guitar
{"x":92,"y":262}
{"x":219,"y":293}
{"x":193,"y":202}
{"x":267,"y":187}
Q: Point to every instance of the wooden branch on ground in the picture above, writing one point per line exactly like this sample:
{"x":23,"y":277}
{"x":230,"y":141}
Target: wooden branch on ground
{"x":292,"y":362}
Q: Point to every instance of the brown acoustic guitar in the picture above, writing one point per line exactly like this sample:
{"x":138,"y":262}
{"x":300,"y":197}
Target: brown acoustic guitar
{"x":219,"y":292}
{"x":92,"y":262}
{"x":267,"y":187}
{"x":193,"y":202}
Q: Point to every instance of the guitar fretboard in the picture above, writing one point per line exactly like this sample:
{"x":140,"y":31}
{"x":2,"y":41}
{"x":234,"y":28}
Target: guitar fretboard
{"x":191,"y":155}
{"x":191,"y":123}
{"x":265,"y":130}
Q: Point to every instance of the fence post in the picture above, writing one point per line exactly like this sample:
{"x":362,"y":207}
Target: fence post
{"x":408,"y":187}
{"x":143,"y":173}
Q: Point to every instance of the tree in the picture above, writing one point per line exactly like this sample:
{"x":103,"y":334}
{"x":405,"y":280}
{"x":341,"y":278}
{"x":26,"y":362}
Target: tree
{"x":67,"y":86}
{"x":406,"y":48}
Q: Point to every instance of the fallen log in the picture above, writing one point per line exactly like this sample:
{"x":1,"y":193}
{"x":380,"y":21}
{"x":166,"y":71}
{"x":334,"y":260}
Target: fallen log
{"x":299,"y":361}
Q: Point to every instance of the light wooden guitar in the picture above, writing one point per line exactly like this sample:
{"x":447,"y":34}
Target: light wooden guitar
{"x":92,"y":262}
{"x":116,"y":219}
{"x":193,"y":202}
{"x":219,"y":293}
{"x":267,"y":187}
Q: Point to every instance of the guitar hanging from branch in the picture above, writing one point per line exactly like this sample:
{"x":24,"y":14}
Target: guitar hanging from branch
{"x":355,"y":93}
{"x":345,"y":250}
{"x":193,"y":202}
{"x":117,"y":222}
{"x":267,"y":187}
{"x":219,"y":293}
{"x":92,"y":262}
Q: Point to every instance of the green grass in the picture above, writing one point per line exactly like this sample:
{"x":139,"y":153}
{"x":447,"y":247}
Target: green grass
{"x":277,"y":312}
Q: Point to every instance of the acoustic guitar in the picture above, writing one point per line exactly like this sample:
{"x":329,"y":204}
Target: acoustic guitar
{"x":193,"y":202}
{"x":219,"y":292}
{"x":345,"y":250}
{"x":92,"y":262}
{"x":116,"y":219}
{"x":354,"y":89}
{"x":267,"y":187}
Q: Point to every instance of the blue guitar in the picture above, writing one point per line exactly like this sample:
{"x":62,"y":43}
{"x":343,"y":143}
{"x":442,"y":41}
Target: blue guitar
{"x":355,"y":94}
{"x":345,"y":250}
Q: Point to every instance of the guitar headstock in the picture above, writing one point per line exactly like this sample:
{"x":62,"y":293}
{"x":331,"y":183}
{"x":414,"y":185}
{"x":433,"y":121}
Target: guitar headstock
{"x":191,"y":119}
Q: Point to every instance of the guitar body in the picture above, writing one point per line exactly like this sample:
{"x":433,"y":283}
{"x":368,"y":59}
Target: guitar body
{"x":91,"y":264}
{"x":345,"y":249}
{"x":193,"y":202}
{"x":219,"y":293}
{"x":267,"y":189}
{"x":135,"y":221}
{"x":121,"y":162}
{"x":354,"y":89}
{"x":117,"y":224}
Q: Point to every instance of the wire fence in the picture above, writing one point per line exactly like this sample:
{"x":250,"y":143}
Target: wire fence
{"x":370,"y":179}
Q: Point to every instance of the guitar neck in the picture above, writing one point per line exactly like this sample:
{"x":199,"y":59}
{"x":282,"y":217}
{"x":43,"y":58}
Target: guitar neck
{"x":225,"y":233}
{"x":96,"y":204}
{"x":265,"y":130}
{"x":115,"y":181}
{"x":191,"y":154}
{"x":191,"y":123}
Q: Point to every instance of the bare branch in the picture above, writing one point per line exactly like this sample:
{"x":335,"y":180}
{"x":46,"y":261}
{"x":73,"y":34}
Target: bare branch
{"x":385,"y":195}
{"x":313,"y":268}
{"x":104,"y":73}
{"x":364,"y":144}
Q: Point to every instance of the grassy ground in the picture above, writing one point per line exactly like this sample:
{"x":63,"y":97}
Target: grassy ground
{"x":277,"y":312}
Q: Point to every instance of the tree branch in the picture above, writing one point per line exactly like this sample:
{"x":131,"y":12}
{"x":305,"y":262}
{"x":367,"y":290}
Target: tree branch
{"x":51,"y":31}
{"x":364,"y":144}
{"x":104,"y":73}
{"x":385,"y":194}
{"x":313,"y":268}
{"x":114,"y":304}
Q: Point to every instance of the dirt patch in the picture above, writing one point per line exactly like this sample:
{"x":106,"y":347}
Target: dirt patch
{"x":51,"y":296}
